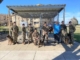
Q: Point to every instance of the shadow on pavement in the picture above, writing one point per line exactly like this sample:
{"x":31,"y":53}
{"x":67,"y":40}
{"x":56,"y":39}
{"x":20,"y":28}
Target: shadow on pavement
{"x":71,"y":52}
{"x":3,"y":36}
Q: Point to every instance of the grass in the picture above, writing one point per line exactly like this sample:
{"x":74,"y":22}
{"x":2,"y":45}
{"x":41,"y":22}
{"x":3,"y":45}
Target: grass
{"x":77,"y":37}
{"x":77,"y":33}
{"x":4,"y":28}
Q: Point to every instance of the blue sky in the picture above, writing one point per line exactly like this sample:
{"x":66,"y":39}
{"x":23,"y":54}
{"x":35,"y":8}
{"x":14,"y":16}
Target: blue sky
{"x":72,"y":6}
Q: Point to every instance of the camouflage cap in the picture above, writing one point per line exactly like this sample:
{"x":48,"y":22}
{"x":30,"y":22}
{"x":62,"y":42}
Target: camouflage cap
{"x":62,"y":21}
{"x":14,"y":22}
{"x":45,"y":22}
{"x":69,"y":21}
{"x":35,"y":29}
{"x":23,"y":24}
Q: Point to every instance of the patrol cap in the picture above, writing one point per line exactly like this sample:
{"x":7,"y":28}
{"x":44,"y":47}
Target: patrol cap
{"x":35,"y":29}
{"x":69,"y":21}
{"x":14,"y":22}
{"x":62,"y":21}
{"x":45,"y":22}
{"x":23,"y":24}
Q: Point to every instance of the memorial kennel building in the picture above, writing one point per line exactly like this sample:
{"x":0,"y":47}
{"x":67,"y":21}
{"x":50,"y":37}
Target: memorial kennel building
{"x":36,"y":14}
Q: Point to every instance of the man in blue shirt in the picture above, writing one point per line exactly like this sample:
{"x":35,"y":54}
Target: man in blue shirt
{"x":56,"y":29}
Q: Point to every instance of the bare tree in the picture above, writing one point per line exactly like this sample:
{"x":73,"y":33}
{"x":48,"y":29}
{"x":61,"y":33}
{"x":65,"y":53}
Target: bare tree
{"x":74,"y":21}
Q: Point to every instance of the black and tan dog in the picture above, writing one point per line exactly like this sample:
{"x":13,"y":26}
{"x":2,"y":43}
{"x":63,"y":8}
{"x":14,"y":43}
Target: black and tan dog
{"x":67,"y":39}
{"x":10,"y":40}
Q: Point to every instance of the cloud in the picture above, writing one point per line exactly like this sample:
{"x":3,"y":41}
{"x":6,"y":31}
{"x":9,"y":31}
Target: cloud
{"x":78,"y":13}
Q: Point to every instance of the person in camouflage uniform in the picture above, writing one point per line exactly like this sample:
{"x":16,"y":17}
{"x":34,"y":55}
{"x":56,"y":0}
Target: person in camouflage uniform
{"x":30,"y":31}
{"x":63,"y":31}
{"x":15,"y":31}
{"x":24,"y":33}
{"x":36,"y":37}
{"x":45,"y":31}
{"x":71,"y":32}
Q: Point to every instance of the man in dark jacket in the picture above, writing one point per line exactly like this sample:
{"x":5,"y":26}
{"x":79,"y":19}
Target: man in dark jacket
{"x":63,"y":31}
{"x":45,"y":31}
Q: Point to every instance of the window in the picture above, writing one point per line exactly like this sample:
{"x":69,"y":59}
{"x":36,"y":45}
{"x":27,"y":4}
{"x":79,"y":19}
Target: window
{"x":36,"y":23}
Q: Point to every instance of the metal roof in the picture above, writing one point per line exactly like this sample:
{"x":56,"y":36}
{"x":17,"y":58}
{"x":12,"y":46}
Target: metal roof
{"x":47,"y":11}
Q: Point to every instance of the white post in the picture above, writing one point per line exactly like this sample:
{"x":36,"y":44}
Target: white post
{"x":40,"y":23}
{"x":64,"y":15}
{"x":9,"y":20}
{"x":30,"y":20}
{"x":15,"y":17}
{"x":27,"y":22}
{"x":58,"y":17}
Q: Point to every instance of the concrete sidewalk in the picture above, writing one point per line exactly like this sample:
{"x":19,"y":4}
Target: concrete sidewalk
{"x":32,"y":52}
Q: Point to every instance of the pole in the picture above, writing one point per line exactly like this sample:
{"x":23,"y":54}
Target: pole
{"x":40,"y":24}
{"x":15,"y":17}
{"x":58,"y":17}
{"x":9,"y":20}
{"x":27,"y":22}
{"x":31,"y":19}
{"x":64,"y":15}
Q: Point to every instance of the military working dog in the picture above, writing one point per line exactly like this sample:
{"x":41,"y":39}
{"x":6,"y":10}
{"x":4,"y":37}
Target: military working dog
{"x":67,"y":38}
{"x":10,"y":40}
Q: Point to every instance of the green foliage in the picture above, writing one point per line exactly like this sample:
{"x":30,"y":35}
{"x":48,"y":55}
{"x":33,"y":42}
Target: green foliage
{"x":77,"y":37}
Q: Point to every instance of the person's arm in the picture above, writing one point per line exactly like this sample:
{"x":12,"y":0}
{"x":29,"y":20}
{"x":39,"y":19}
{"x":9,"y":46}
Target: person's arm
{"x":28,"y":29}
{"x":53,"y":27}
{"x":65,"y":28}
{"x":23,"y":29}
{"x":38,"y":36}
{"x":60,"y":28}
{"x":14,"y":29}
{"x":11,"y":28}
{"x":73,"y":28}
{"x":33,"y":34}
{"x":42,"y":30}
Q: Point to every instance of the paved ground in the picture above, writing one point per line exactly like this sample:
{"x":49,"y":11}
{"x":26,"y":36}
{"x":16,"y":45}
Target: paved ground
{"x":31,"y":52}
